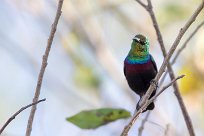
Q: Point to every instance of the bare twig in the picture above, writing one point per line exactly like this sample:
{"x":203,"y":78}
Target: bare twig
{"x":153,"y":123}
{"x":141,"y":128}
{"x":43,"y":66}
{"x":173,"y":48}
{"x":167,"y":86}
{"x":144,"y":106}
{"x":170,"y":69}
{"x":181,"y":49}
{"x":159,"y":93}
{"x":142,"y":4}
{"x":166,"y":130}
{"x":18,"y":112}
{"x":186,"y":42}
{"x":162,"y":69}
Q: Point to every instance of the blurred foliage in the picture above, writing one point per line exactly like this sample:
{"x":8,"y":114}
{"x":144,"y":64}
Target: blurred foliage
{"x":87,"y":30}
{"x":91,"y":119}
{"x":172,"y":12}
{"x":84,"y":75}
{"x":191,"y":82}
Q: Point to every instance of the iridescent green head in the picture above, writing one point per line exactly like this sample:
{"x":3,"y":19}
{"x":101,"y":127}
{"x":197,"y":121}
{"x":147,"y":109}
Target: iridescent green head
{"x":139,"y":47}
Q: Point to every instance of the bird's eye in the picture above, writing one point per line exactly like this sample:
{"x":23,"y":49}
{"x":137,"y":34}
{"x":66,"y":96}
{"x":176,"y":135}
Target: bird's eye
{"x":141,"y":42}
{"x":136,"y":39}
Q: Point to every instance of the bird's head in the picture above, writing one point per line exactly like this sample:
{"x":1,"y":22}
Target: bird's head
{"x":140,"y":46}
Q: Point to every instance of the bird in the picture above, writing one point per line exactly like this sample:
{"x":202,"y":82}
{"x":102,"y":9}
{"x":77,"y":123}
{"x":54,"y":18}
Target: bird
{"x":140,"y":68}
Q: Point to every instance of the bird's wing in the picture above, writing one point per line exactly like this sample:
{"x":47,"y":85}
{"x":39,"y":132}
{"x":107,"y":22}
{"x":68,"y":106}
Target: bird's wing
{"x":154,"y":64}
{"x":124,"y":70}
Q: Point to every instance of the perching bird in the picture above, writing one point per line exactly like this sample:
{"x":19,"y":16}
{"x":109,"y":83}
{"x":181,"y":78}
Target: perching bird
{"x":140,"y":68}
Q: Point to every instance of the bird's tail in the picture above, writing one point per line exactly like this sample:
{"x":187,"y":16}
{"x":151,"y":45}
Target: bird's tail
{"x":150,"y":106}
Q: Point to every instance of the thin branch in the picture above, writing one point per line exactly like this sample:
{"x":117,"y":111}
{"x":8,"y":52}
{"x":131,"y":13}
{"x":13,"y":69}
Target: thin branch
{"x":16,"y":114}
{"x":170,"y":69}
{"x":43,"y":66}
{"x":166,"y":130}
{"x":162,"y":69}
{"x":142,"y":4}
{"x":144,"y":106}
{"x":181,"y":49}
{"x":186,"y":42}
{"x":141,"y":128}
{"x":152,"y":122}
{"x":167,"y":86}
{"x":173,"y":48}
{"x":157,"y":95}
{"x":156,"y":27}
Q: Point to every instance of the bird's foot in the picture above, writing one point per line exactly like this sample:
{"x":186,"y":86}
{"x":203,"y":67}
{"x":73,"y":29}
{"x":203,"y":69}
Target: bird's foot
{"x":155,"y":83}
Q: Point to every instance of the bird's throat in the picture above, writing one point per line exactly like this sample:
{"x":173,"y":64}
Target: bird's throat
{"x":134,"y":59}
{"x":138,"y":53}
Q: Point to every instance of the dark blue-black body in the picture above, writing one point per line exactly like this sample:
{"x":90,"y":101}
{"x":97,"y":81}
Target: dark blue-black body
{"x":140,"y":71}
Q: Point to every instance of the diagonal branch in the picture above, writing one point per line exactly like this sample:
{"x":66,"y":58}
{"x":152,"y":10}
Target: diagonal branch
{"x":18,"y":112}
{"x":174,"y":46}
{"x":170,"y":69}
{"x":142,"y":4}
{"x":166,"y":130}
{"x":141,"y":128}
{"x":167,"y":86}
{"x":163,"y":66}
{"x":144,"y":106}
{"x":43,"y":66}
{"x":181,"y":49}
{"x":186,"y":42}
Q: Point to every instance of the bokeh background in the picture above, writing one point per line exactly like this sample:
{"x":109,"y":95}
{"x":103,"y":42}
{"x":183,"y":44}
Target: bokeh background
{"x":85,"y":66}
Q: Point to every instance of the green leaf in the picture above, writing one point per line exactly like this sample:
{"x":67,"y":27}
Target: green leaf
{"x":91,"y":119}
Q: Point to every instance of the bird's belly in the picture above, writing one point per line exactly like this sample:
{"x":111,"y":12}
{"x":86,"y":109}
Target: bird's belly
{"x":139,"y":76}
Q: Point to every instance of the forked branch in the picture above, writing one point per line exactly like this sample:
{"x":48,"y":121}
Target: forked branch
{"x":16,"y":114}
{"x":145,"y":100}
{"x":181,"y":49}
{"x":187,"y":119}
{"x":144,"y":106}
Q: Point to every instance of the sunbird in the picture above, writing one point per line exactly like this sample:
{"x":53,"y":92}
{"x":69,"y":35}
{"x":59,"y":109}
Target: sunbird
{"x":140,"y":68}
